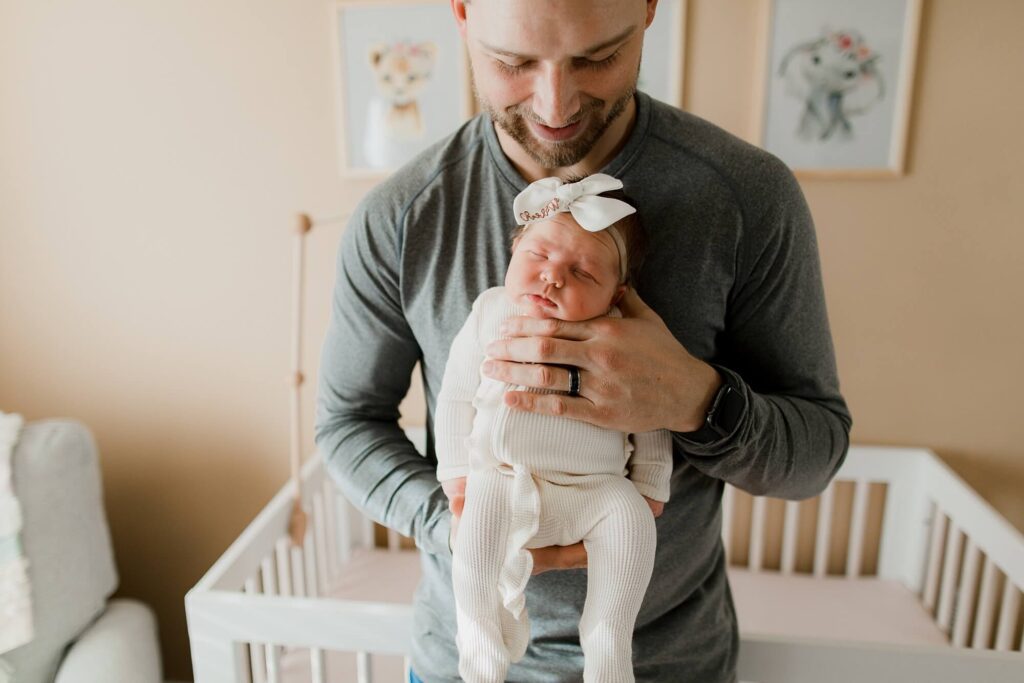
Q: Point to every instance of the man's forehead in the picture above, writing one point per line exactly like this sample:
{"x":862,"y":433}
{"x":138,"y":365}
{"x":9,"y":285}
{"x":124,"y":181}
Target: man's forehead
{"x":553,"y":28}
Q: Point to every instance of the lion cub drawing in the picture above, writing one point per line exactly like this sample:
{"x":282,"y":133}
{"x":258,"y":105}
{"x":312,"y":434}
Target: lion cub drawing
{"x":394,"y":129}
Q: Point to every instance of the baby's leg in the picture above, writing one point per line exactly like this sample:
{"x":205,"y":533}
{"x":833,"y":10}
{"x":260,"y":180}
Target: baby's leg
{"x":488,"y":637}
{"x":620,"y":558}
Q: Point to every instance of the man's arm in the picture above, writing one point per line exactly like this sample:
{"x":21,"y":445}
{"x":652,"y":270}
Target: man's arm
{"x":365,"y":367}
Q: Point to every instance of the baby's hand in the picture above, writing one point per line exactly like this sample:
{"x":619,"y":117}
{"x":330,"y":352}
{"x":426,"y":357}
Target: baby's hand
{"x":656,"y":507}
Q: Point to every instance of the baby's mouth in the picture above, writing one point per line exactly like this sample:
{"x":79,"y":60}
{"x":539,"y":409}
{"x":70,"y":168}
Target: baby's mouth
{"x":541,"y":301}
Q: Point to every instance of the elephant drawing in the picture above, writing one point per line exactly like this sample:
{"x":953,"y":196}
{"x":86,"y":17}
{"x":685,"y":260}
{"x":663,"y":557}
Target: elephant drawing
{"x":836,"y":77}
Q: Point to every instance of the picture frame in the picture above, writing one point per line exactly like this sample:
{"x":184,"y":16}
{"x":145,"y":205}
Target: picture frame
{"x":663,"y":61}
{"x":837,"y":83}
{"x":401,"y":81}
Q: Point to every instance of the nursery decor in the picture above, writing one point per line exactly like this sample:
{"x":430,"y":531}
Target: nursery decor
{"x":837,"y":84}
{"x":661,"y":68}
{"x":402,"y":81}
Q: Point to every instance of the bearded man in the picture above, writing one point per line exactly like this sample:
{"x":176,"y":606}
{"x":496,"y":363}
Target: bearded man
{"x":725,"y":341}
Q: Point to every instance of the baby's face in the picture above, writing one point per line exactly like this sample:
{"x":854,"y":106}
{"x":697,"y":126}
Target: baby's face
{"x":559,"y":270}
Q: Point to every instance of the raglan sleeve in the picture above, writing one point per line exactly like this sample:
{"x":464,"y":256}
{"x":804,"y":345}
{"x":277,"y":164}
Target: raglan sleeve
{"x":366,"y":364}
{"x":777,"y":350}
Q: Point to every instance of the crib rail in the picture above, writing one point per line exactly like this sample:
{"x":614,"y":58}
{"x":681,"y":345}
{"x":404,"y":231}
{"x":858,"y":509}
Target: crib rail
{"x":264,"y":603}
{"x":263,"y":611}
{"x":932,"y":532}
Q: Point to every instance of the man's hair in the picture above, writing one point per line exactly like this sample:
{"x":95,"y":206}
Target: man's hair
{"x":629,"y":227}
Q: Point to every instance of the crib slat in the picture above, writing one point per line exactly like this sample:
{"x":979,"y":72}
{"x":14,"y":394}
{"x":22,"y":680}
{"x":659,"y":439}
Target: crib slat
{"x":346,"y":541}
{"x":789,"y":533}
{"x":965,"y":598}
{"x":757,"y":535}
{"x":317,"y":665}
{"x":855,"y":543}
{"x":364,"y":667}
{"x":331,"y":529}
{"x":320,"y":542}
{"x":298,"y":573}
{"x":727,"y":503}
{"x":273,"y":664}
{"x":931,"y":581}
{"x":823,"y":533}
{"x":1007,"y":616}
{"x":986,"y":606}
{"x":950,"y":570}
{"x":268,"y":576}
{"x":310,"y":561}
{"x":282,"y":554}
{"x":257,"y":653}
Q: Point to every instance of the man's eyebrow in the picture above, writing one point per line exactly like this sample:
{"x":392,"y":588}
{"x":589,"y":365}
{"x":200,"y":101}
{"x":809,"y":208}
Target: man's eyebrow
{"x":586,"y":53}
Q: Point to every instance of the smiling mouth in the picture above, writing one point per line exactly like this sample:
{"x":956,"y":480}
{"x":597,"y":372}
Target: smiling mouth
{"x":556,"y":134}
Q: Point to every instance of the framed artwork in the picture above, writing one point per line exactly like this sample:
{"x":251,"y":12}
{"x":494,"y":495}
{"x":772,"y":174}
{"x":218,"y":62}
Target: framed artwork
{"x":661,"y":67}
{"x":837,"y":85}
{"x":402,"y":81}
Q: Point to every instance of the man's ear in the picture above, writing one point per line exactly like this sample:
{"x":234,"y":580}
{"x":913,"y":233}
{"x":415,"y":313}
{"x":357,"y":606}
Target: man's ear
{"x":651,"y":6}
{"x":459,"y":10}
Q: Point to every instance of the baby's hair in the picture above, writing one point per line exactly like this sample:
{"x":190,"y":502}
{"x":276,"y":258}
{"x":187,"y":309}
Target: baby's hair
{"x":629,"y":227}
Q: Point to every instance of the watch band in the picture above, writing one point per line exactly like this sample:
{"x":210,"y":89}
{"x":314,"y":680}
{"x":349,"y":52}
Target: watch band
{"x":723,"y":415}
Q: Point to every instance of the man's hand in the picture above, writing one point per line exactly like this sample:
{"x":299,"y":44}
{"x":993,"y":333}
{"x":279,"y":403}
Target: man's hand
{"x":455,"y":489}
{"x":634,"y":375}
{"x":657,"y":507}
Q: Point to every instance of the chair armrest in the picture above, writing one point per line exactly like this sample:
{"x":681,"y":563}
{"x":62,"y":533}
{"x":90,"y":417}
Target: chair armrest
{"x":119,"y":647}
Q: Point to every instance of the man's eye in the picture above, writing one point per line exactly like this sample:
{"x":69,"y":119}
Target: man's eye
{"x":598,"y":63}
{"x":511,"y":68}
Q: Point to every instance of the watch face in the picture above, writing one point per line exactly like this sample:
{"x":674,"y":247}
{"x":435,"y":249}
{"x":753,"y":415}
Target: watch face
{"x":730,"y":409}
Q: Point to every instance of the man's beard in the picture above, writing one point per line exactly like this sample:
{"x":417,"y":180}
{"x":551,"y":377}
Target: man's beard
{"x":560,"y":153}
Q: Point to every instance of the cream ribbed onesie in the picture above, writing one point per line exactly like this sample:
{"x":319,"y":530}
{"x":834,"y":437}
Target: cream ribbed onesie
{"x":534,"y":481}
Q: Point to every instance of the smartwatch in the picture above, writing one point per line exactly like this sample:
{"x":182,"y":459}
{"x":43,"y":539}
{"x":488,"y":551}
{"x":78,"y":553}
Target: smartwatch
{"x":723,"y":415}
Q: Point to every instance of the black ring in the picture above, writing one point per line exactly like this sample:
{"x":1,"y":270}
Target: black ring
{"x":574,"y":380}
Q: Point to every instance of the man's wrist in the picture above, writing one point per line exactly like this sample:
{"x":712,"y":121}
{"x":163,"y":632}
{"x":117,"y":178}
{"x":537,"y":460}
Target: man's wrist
{"x":710,"y":381}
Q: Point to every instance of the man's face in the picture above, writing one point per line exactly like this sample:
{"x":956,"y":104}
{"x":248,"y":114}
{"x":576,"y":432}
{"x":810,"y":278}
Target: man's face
{"x":554,"y":74}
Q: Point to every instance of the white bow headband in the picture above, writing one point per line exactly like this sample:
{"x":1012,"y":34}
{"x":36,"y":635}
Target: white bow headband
{"x":547,"y":196}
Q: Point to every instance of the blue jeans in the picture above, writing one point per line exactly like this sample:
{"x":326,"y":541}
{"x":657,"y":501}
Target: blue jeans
{"x":413,"y":678}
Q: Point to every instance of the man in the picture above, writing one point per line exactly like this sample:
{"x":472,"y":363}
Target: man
{"x":733,"y":355}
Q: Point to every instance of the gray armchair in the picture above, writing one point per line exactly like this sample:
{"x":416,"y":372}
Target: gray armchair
{"x":81,"y":636}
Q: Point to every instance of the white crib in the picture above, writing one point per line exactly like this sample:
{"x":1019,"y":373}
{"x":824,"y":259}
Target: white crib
{"x":899,"y":571}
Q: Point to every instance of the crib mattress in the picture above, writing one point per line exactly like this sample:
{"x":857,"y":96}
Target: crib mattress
{"x":834,"y":608}
{"x":767,"y":603}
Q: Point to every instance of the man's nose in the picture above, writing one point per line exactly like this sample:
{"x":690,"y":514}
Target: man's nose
{"x":555,"y":96}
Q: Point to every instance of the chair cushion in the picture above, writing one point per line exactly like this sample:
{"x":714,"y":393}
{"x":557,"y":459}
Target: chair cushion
{"x":66,"y":541}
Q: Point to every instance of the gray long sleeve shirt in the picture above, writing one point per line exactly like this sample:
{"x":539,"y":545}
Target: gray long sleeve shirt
{"x":732,"y":269}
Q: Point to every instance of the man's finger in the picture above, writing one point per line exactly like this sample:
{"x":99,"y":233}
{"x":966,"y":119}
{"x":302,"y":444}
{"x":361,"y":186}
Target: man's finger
{"x":632,"y":306}
{"x":579,"y":408}
{"x":547,"y":350}
{"x":559,"y":557}
{"x":525,"y":326}
{"x":536,"y":375}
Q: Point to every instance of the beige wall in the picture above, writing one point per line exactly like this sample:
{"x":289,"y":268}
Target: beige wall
{"x":152,"y":155}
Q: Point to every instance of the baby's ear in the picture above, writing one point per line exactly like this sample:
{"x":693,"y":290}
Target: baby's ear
{"x":619,"y":293}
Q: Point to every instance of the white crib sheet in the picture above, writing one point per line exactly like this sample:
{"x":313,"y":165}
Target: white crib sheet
{"x":767,"y":603}
{"x":834,"y":607}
